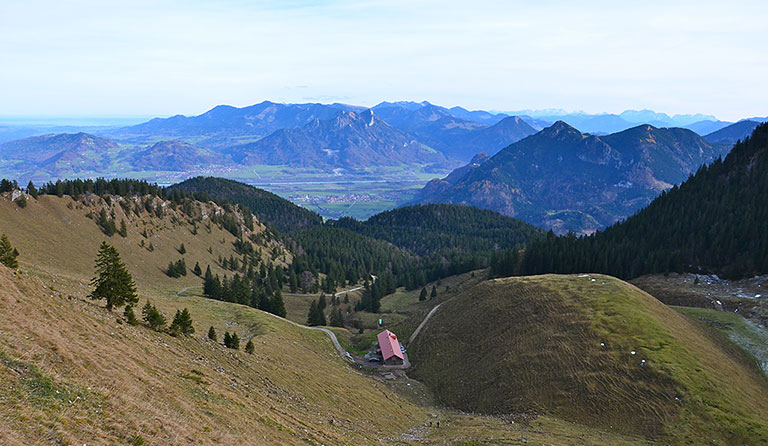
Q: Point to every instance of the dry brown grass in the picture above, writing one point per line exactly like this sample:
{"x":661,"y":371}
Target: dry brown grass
{"x":133,"y":381}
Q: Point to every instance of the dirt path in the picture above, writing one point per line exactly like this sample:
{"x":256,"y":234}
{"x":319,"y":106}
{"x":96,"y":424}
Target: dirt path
{"x":178,"y":293}
{"x":421,"y":325}
{"x":330,"y":334}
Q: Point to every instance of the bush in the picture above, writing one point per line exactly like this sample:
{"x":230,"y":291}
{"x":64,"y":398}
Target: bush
{"x":21,"y":201}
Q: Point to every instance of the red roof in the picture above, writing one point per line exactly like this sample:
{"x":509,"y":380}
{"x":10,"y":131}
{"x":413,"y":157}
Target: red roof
{"x":389,"y":345}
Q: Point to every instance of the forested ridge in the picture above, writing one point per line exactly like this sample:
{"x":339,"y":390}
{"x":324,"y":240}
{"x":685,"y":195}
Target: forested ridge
{"x":269,"y":208}
{"x":445,"y":228}
{"x":715,"y":222}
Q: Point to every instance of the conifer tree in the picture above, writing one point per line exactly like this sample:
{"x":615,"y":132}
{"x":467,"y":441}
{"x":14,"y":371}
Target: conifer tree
{"x":182,"y":323}
{"x":123,"y":229}
{"x":130,"y":316}
{"x":337,"y":319}
{"x":212,"y":334}
{"x":32,"y":190}
{"x":277,"y":306}
{"x":197,"y":269}
{"x":8,"y":253}
{"x":249,"y":348}
{"x":234,"y":341}
{"x":182,"y":249}
{"x":321,"y":303}
{"x":227,"y":340}
{"x":112,"y":282}
{"x":433,"y":294}
{"x":293,"y":281}
{"x":423,"y":295}
{"x":154,"y":319}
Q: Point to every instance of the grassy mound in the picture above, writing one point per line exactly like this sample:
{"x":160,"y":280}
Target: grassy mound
{"x":598,"y":352}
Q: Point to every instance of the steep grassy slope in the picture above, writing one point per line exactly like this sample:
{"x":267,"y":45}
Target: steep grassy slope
{"x":56,"y":237}
{"x":73,"y":373}
{"x":562,"y":345}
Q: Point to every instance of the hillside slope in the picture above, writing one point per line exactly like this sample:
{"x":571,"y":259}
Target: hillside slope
{"x":72,"y":372}
{"x":593,"y":350}
{"x":58,"y":155}
{"x":714,"y":222}
{"x":729,"y":135}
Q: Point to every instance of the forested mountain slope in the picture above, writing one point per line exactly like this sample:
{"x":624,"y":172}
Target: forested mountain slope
{"x":714,"y":222}
{"x":564,"y":180}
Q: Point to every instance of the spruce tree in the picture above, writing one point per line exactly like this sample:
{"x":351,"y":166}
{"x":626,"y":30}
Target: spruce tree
{"x":277,"y":306}
{"x":227,"y":340}
{"x":212,"y":334}
{"x":182,"y":323}
{"x":249,"y":348}
{"x":423,"y":295}
{"x":197,"y":269}
{"x":130,"y":316}
{"x":123,"y":229}
{"x":112,"y":282}
{"x":7,"y":253}
{"x":234,"y":341}
{"x":32,"y":190}
{"x":321,"y":303}
{"x":182,"y":249}
{"x":433,"y":294}
{"x":337,"y":319}
{"x":154,"y":319}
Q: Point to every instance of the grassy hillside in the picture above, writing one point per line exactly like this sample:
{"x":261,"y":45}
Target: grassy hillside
{"x":55,"y":237}
{"x":562,"y":345}
{"x":71,"y":372}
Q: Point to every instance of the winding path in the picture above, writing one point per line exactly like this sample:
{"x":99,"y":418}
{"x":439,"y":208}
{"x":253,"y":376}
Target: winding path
{"x":422,"y":324}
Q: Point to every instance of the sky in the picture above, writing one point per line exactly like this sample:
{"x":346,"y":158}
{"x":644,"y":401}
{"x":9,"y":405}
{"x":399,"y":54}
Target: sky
{"x":165,"y":57}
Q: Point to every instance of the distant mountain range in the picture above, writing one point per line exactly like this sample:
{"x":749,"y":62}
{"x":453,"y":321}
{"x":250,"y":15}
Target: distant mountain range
{"x":350,"y":140}
{"x":564,"y":180}
{"x":730,"y":134}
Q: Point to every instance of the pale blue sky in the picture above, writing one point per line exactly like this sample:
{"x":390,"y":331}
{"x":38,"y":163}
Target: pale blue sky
{"x":160,"y":57}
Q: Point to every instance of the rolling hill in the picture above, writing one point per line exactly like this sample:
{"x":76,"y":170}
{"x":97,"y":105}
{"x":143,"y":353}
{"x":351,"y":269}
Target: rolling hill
{"x":350,"y":140}
{"x":175,"y":156}
{"x":563,"y":180}
{"x":59,"y":155}
{"x":594,"y":350}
